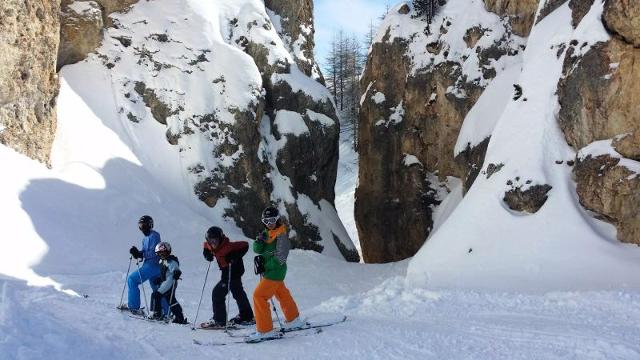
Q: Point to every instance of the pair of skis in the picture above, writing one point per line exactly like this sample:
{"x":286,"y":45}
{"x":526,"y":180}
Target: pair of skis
{"x":310,"y":328}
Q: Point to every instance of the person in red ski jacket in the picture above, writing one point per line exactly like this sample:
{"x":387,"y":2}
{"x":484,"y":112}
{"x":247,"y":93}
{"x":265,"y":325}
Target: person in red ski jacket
{"x":228,"y":255}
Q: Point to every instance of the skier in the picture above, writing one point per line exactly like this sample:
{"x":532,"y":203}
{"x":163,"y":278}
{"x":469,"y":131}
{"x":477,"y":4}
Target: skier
{"x":150,"y":269}
{"x":229,"y":257}
{"x":273,"y":244}
{"x":167,"y":284}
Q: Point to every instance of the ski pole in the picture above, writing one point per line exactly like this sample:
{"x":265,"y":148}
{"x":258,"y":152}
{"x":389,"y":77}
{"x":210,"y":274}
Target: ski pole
{"x":142,"y":284}
{"x":125,"y":282}
{"x":195,"y":319}
{"x":226,"y":323}
{"x":172,"y":300}
{"x":276,"y":311}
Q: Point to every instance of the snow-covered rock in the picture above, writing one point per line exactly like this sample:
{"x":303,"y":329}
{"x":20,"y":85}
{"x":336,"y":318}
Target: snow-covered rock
{"x":421,"y":82}
{"x":210,"y":98}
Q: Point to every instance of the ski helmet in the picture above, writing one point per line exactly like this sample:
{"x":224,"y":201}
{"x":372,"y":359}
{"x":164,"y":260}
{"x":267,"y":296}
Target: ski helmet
{"x":270,"y":216}
{"x":214,"y":235}
{"x":163,"y":247}
{"x":147,"y":220}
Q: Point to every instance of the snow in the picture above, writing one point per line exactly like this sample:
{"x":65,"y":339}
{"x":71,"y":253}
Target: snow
{"x":320,"y":118}
{"x":378,"y":98}
{"x":345,"y":189}
{"x":299,"y":82}
{"x":561,"y":247}
{"x":409,"y":160}
{"x":481,"y":119}
{"x":84,"y":8}
{"x":605,"y":147}
{"x":290,"y":123}
{"x":457,"y":16}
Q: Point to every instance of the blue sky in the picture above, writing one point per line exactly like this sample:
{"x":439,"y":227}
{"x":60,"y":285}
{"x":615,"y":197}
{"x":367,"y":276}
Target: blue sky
{"x":353,"y":16}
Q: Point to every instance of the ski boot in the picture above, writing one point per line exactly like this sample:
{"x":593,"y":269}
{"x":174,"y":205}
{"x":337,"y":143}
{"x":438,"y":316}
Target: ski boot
{"x":295,"y":324}
{"x":257,"y":336}
{"x":242,"y":322}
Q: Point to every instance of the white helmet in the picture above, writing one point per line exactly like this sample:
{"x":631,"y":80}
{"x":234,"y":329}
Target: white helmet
{"x":163,"y":247}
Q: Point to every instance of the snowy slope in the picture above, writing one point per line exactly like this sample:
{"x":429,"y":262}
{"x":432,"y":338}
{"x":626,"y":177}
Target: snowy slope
{"x":485,"y":245}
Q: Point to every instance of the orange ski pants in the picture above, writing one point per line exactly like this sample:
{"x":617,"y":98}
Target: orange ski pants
{"x":265,"y":290}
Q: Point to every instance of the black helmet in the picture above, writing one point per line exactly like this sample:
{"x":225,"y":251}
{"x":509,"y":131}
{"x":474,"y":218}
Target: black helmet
{"x":270,"y":216}
{"x":147,"y":220}
{"x":270,"y":212}
{"x":214,"y":234}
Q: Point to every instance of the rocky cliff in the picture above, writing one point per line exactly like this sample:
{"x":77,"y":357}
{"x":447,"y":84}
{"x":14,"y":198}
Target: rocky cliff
{"x":28,"y":79}
{"x":412,"y":112}
{"x":600,"y":116}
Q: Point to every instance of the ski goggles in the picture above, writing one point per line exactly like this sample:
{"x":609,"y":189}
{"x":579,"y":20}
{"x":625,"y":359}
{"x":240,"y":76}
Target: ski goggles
{"x":270,"y":221}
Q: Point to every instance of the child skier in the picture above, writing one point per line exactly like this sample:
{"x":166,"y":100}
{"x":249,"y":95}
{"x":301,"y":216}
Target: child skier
{"x":150,"y":269}
{"x":229,"y":257}
{"x":168,"y":282}
{"x":273,"y":244}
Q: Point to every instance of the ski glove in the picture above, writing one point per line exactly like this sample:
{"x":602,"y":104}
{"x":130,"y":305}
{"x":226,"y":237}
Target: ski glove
{"x":262,"y":237}
{"x":135,"y":252}
{"x":207,"y":254}
{"x":176,"y":274}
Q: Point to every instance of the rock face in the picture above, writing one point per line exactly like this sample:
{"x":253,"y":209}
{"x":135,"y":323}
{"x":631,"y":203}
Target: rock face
{"x":520,"y":13}
{"x":598,"y":96}
{"x":28,"y":81}
{"x":80,"y":31}
{"x":294,"y":20}
{"x":611,"y":190}
{"x":622,"y":18}
{"x":415,"y":102}
{"x":82,"y":24}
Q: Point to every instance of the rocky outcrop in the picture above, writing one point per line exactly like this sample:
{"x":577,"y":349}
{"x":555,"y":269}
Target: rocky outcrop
{"x":412,"y":110}
{"x":82,"y":25}
{"x":28,"y":80}
{"x":294,"y":19}
{"x":521,"y":13}
{"x":309,"y":159}
{"x":529,"y":200}
{"x":80,"y":31}
{"x":598,"y":96}
{"x":612,"y":191}
{"x":622,"y":18}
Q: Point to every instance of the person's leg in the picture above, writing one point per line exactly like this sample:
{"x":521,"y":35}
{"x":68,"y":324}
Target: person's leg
{"x":156,"y":299}
{"x":133,"y":297}
{"x":288,"y":305}
{"x":218,"y":296}
{"x":263,"y":292}
{"x":244,"y":307}
{"x":176,"y":309}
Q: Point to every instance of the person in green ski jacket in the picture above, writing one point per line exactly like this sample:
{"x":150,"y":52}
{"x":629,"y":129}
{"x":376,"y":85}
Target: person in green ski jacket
{"x":273,"y":245}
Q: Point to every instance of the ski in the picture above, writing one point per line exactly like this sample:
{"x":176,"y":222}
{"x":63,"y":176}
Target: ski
{"x":157,"y":321}
{"x":309,"y":325}
{"x":243,"y":341}
{"x":316,"y":325}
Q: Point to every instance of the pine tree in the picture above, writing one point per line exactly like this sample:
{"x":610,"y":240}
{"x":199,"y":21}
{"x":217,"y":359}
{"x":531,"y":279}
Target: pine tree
{"x":427,"y":8}
{"x":343,"y":67}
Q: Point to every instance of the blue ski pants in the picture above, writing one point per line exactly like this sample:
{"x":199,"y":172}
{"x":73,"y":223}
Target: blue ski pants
{"x":147,"y":272}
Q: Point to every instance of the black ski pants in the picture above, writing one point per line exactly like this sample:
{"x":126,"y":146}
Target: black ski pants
{"x":174,"y":306}
{"x":219,"y":294}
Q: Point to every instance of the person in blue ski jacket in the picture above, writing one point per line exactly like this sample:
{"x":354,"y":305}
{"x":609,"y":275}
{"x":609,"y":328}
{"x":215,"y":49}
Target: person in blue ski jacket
{"x":150,"y":269}
{"x":167,"y":283}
